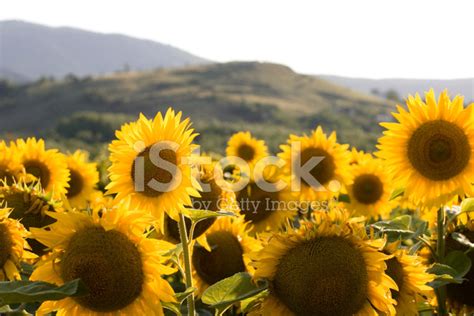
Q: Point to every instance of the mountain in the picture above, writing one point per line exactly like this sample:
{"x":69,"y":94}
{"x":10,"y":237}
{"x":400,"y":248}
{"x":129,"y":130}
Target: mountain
{"x":31,"y":51}
{"x":405,"y":87}
{"x":268,"y":99}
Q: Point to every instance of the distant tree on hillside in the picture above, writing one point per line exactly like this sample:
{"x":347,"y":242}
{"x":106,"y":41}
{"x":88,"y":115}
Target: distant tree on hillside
{"x":375,"y":91}
{"x":392,"y":95}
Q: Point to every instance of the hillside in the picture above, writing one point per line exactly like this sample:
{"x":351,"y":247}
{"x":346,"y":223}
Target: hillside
{"x":31,"y":50}
{"x":268,"y":99}
{"x":407,"y":86}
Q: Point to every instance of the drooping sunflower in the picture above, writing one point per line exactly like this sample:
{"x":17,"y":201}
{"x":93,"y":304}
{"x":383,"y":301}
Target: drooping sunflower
{"x":370,"y":189}
{"x":224,"y":253}
{"x":460,"y":296}
{"x":29,"y":204}
{"x":329,"y":176}
{"x":430,"y":150}
{"x":83,"y":181}
{"x":13,"y":246}
{"x":120,"y":266}
{"x":327,"y":267}
{"x":409,"y":272}
{"x":247,"y":147}
{"x":216,"y":195}
{"x":49,"y":167}
{"x":267,"y":204}
{"x":10,"y":166}
{"x":149,"y":164}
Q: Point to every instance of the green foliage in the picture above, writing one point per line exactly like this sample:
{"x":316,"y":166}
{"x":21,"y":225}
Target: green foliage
{"x":199,"y":215}
{"x":227,"y":292}
{"x":269,"y":100}
{"x":91,"y":126}
{"x":397,"y":193}
{"x":399,"y":228}
{"x":463,"y":240}
{"x":467,"y":205}
{"x":27,"y":291}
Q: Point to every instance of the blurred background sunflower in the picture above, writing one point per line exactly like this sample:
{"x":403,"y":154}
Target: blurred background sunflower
{"x":247,"y":147}
{"x":332,"y":172}
{"x":83,"y":179}
{"x":29,"y":204}
{"x":48,"y":166}
{"x":10,"y":166}
{"x":13,"y":246}
{"x":358,"y":155}
{"x":409,"y":272}
{"x":223,"y":253}
{"x":267,"y":203}
{"x":216,"y":195}
{"x":371,"y":189}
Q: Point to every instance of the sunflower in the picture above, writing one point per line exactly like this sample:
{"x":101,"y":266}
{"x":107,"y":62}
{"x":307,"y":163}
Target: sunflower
{"x":358,"y":155}
{"x":460,"y":295}
{"x":13,"y":247}
{"x":215,"y":196}
{"x":327,"y":267}
{"x":120,"y":266}
{"x":371,"y":189}
{"x":331,"y":173}
{"x":100,"y":201}
{"x":10,"y":167}
{"x":409,"y":272}
{"x":135,"y":172}
{"x":29,"y":205}
{"x":430,"y":150}
{"x":49,"y":167}
{"x":246,"y":147}
{"x":268,"y":205}
{"x":224,"y":253}
{"x":84,"y":179}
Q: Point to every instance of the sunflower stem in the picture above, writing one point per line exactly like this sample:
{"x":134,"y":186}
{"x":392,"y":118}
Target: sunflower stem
{"x":187,"y":262}
{"x":440,"y":251}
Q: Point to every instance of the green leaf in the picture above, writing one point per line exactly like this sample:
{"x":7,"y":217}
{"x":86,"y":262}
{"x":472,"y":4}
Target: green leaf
{"x":463,"y":240}
{"x":5,"y":309}
{"x":400,"y":222}
{"x":422,"y":228}
{"x":247,"y":304}
{"x":184,"y":295}
{"x":26,"y":268}
{"x":175,"y":307}
{"x":397,"y":193}
{"x":417,"y":246}
{"x":425,"y":309}
{"x":396,"y":229}
{"x":344,"y":198}
{"x":200,"y":215}
{"x":171,"y":306}
{"x":467,"y":205}
{"x":28,"y":291}
{"x":444,"y":275}
{"x":227,"y":292}
{"x":175,"y":251}
{"x":459,"y":261}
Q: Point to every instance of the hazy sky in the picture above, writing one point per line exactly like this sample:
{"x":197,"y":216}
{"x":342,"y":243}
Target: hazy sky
{"x":403,"y":38}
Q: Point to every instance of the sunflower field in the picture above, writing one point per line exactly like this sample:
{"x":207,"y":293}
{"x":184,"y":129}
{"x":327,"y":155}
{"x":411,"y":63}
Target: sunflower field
{"x":317,"y":229}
